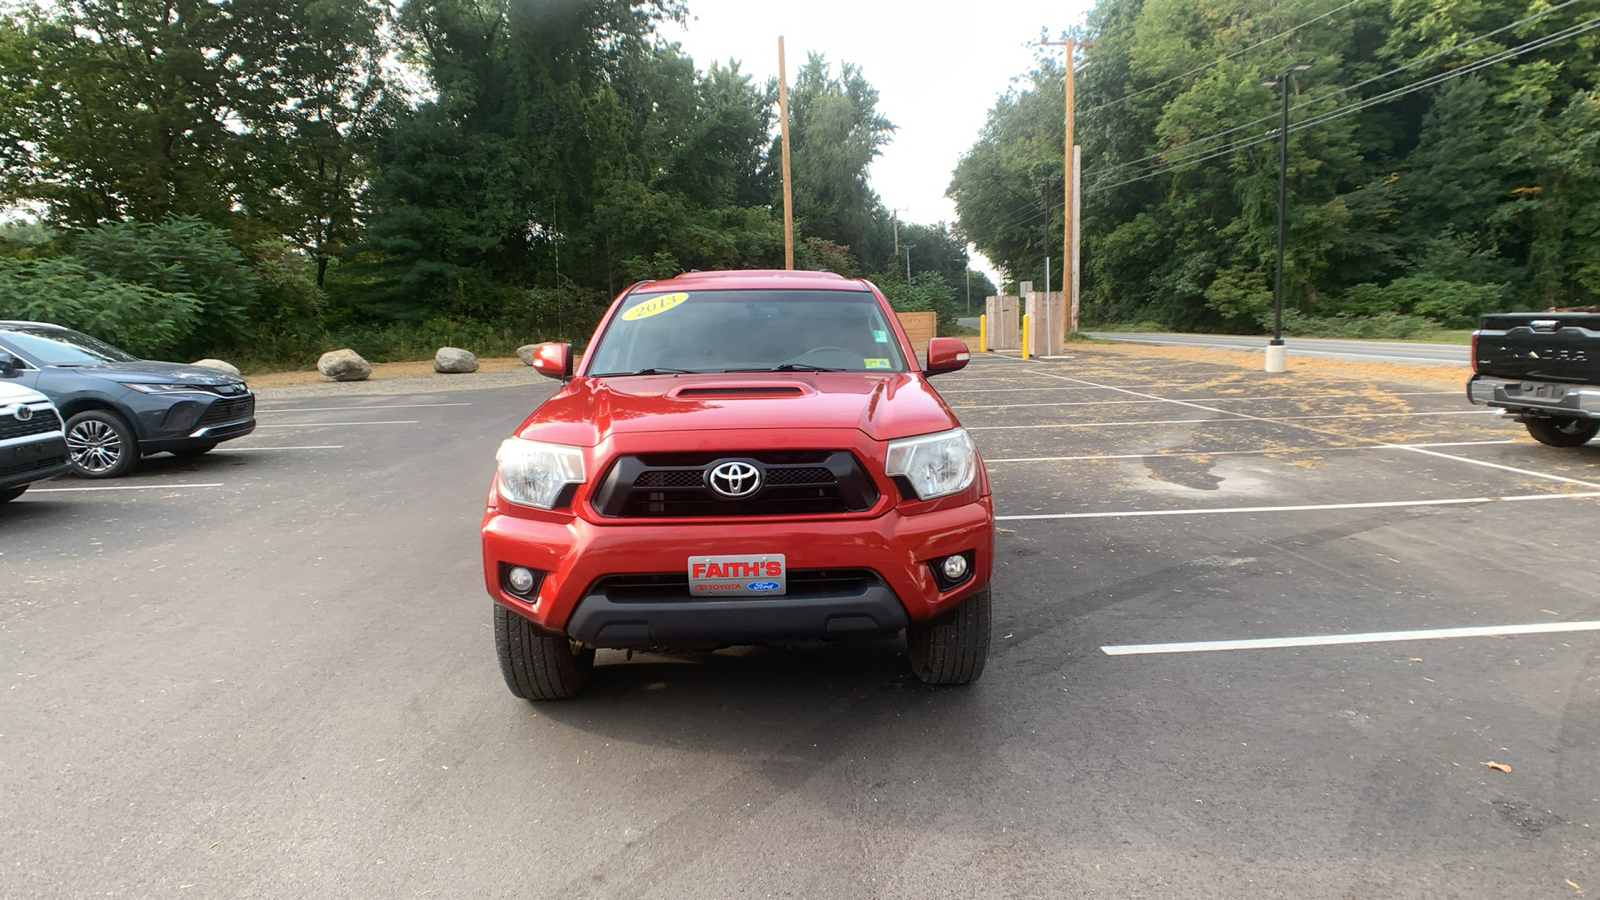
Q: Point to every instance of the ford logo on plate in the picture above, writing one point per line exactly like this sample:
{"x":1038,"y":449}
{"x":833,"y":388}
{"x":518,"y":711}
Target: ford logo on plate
{"x":762,"y":586}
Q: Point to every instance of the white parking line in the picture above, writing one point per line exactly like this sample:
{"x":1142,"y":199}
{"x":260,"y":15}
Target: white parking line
{"x":1101,"y":424}
{"x":1493,"y":465}
{"x":1067,"y":387}
{"x":1228,"y":416}
{"x":270,"y":449}
{"x":289,"y":409}
{"x":339,"y":424}
{"x":1198,"y":400}
{"x":1247,"y":416}
{"x":1314,"y":507}
{"x":1296,"y":450}
{"x":1329,"y":640}
{"x":124,"y":487}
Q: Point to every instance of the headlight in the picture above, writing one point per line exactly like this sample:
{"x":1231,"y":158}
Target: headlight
{"x":166,"y":388}
{"x":936,"y":464}
{"x":533,"y":473}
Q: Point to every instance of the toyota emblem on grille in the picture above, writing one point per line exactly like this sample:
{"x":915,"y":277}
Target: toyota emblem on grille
{"x":23,"y":413}
{"x":734,"y":480}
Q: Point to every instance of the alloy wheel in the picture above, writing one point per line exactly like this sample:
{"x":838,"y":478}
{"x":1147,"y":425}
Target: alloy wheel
{"x":95,"y":446}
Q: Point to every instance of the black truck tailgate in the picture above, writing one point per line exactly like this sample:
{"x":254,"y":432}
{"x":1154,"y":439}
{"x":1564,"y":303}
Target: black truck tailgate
{"x":1549,"y":346}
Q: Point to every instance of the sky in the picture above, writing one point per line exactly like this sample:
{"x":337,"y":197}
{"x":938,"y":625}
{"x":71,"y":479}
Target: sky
{"x":938,"y":66}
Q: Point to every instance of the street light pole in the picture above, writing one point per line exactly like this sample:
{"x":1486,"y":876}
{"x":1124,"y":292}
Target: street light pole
{"x":1276,"y":352}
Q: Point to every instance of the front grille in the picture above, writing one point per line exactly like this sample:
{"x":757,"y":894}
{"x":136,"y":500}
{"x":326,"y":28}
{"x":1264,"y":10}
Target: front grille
{"x":671,"y":587}
{"x":34,"y":465}
{"x":801,"y":475}
{"x":670,"y":478}
{"x":230,"y":409}
{"x":44,"y":421}
{"x":670,"y":485}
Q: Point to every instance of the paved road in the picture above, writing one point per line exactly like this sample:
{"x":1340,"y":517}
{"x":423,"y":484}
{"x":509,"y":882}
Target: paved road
{"x":1414,"y":352}
{"x":269,"y":672}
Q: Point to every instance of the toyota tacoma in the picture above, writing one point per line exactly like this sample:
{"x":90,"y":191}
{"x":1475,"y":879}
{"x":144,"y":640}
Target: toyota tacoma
{"x":739,"y":458}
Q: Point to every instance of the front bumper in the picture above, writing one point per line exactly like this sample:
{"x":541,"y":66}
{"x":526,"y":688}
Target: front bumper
{"x":25,"y":462}
{"x":1535,"y":398}
{"x":574,"y":554}
{"x":189,"y":419}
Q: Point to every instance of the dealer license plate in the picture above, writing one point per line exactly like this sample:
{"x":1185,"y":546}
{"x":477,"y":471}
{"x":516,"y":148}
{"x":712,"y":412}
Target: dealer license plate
{"x":742,"y":575}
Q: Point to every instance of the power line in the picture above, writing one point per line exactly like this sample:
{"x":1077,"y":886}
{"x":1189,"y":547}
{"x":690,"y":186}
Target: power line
{"x":1573,"y":31}
{"x":1165,"y":155}
{"x":1430,"y":81}
{"x":1236,"y":53}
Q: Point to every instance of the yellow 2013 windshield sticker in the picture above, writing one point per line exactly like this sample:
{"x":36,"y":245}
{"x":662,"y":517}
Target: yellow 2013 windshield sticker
{"x":877,"y":364}
{"x":654,"y":306}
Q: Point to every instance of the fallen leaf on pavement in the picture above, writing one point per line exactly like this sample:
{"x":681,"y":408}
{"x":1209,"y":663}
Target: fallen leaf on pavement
{"x":1501,"y":766}
{"x":1004,"y":530}
{"x":1574,"y":885}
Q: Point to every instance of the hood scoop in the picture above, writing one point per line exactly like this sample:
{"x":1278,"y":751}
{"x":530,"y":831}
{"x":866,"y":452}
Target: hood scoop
{"x":766,"y":390}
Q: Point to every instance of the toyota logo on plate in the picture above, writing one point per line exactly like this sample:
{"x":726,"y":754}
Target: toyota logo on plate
{"x":734,"y":480}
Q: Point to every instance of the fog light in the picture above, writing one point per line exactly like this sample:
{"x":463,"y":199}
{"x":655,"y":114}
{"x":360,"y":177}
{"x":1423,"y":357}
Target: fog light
{"x":520,"y":579}
{"x":954,"y":567}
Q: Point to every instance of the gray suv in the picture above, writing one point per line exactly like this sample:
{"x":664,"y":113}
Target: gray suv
{"x":119,"y":407}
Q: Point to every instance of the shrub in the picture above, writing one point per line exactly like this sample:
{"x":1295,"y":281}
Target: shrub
{"x":139,"y":318}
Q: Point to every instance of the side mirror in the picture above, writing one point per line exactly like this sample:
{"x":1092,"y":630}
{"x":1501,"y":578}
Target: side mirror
{"x":553,"y":361}
{"x":946,"y":355}
{"x":8,"y":365}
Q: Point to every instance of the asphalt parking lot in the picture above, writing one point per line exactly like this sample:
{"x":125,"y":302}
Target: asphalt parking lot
{"x":269,"y":672}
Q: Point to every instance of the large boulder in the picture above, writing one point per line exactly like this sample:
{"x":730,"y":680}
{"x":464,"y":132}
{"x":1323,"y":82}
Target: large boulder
{"x":344,"y":365}
{"x":526,"y":353}
{"x":217,"y":364}
{"x":454,"y":361}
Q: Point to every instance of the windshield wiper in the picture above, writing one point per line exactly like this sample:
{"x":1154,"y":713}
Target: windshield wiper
{"x":790,"y":367}
{"x":653,"y":370}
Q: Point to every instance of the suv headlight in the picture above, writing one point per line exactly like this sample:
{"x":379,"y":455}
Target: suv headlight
{"x":936,"y":465}
{"x":533,"y":473}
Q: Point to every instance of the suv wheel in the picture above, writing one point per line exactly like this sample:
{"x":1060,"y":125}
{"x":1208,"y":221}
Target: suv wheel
{"x":101,"y":444}
{"x":538,"y":665}
{"x":953,"y":649}
{"x":1562,"y":432}
{"x":10,"y":494}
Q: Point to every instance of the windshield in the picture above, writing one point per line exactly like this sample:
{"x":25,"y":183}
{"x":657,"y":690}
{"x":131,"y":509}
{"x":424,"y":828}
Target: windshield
{"x":64,"y":347}
{"x":748,"y":331}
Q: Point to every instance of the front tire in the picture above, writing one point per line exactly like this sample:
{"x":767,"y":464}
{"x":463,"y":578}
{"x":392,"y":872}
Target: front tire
{"x":952,"y":651}
{"x":538,"y":665}
{"x":1562,"y":432}
{"x":101,"y":444}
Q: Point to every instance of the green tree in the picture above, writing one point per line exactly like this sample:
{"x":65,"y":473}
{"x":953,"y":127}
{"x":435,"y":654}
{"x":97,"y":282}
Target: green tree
{"x":835,"y":134}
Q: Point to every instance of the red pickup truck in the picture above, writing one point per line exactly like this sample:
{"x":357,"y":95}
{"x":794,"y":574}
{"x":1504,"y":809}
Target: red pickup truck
{"x":741,"y":458}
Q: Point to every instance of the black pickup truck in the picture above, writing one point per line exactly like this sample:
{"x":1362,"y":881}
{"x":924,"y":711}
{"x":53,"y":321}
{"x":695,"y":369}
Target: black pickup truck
{"x":1543,"y":369}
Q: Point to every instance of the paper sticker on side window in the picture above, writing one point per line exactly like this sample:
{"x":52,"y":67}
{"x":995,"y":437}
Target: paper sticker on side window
{"x":654,"y":306}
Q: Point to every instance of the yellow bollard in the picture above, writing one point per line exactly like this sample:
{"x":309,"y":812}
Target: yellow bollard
{"x":1025,"y":335}
{"x":983,"y":334}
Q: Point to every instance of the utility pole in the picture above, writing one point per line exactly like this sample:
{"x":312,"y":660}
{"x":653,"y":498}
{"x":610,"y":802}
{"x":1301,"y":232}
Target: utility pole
{"x":908,"y":262}
{"x":896,"y":214}
{"x":1068,"y":275}
{"x":788,"y":191}
{"x":1275,"y":350}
